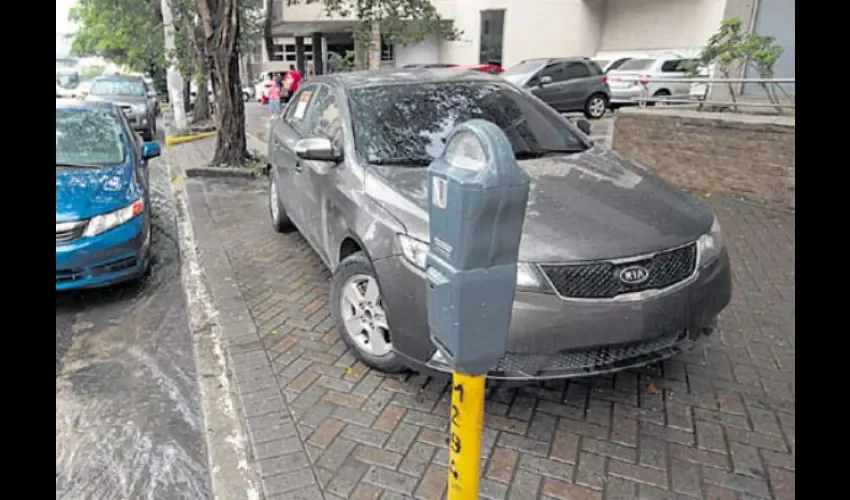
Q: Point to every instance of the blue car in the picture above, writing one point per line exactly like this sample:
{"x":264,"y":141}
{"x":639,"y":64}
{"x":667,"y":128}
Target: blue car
{"x":103,"y":221}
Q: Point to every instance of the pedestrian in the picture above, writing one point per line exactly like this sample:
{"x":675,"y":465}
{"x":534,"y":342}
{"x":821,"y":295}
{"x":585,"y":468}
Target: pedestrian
{"x":293,"y":80}
{"x":274,"y":97}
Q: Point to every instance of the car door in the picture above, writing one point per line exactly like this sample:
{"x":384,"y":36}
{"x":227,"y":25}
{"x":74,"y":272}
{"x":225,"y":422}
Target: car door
{"x":579,"y":83}
{"x":286,"y":166}
{"x":673,"y":68}
{"x":317,"y":181}
{"x":552,"y":92}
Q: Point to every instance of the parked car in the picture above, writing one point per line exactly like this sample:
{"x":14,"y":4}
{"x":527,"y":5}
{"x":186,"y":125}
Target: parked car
{"x":609,"y":64}
{"x":618,"y":268}
{"x":699,"y":91}
{"x":130,"y":94}
{"x":103,"y":232}
{"x":153,"y":96}
{"x":634,"y":80}
{"x":263,"y":83}
{"x":568,"y":85}
{"x":493,"y":69}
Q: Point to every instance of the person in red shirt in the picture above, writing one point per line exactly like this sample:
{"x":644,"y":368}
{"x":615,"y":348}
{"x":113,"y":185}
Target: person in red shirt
{"x":293,"y":79}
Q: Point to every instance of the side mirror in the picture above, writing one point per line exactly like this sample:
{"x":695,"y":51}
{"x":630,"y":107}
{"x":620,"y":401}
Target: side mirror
{"x":317,"y":149}
{"x":583,"y":125}
{"x":545,"y":79}
{"x":150,"y":150}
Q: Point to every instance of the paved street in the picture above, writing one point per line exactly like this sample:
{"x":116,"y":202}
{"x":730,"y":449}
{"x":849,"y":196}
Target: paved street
{"x":128,"y":421}
{"x":715,"y":423}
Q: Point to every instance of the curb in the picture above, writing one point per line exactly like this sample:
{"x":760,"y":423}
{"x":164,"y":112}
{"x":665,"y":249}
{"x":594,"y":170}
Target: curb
{"x":241,"y":173}
{"x":171,"y":140}
{"x":227,"y":441}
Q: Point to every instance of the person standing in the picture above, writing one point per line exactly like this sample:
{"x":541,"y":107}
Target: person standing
{"x":293,"y":80}
{"x":274,"y":97}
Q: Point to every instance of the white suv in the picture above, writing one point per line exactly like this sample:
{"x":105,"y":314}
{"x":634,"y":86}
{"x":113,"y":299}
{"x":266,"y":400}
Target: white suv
{"x":634,"y":79}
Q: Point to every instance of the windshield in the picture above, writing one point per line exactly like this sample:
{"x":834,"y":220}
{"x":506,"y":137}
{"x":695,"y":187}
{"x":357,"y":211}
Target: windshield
{"x":409,"y":123}
{"x":67,"y":81}
{"x":118,"y":87}
{"x":636,"y":64}
{"x":87,"y":138}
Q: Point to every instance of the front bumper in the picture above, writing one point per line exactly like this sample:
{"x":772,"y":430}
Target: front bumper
{"x":552,"y":337}
{"x":119,"y":254}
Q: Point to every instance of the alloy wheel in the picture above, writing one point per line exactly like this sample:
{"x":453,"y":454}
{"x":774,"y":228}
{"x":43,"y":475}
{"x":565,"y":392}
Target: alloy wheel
{"x":597,"y":107}
{"x":363,"y":315}
{"x":273,"y":201}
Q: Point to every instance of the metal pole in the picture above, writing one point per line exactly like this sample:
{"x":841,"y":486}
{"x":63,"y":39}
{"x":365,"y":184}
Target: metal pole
{"x":467,"y":424}
{"x":172,"y":75}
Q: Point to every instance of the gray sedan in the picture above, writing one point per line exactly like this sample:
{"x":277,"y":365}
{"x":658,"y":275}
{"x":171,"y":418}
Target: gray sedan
{"x":618,"y":268}
{"x":130,"y":94}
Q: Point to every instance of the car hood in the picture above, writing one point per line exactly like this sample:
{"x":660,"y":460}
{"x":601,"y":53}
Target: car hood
{"x":82,"y":194}
{"x":587,"y":206}
{"x":120,"y":100}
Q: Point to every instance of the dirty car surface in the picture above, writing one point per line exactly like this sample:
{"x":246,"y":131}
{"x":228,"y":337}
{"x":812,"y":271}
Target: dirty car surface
{"x":618,"y":268}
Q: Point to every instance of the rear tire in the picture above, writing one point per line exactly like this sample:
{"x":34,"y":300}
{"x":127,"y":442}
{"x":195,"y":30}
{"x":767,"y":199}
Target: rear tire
{"x":595,"y":106}
{"x":354,"y":269}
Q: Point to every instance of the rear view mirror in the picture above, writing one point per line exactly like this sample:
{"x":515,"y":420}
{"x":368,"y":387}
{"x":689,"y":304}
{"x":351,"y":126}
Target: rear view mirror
{"x":583,"y":125}
{"x":150,"y":150}
{"x":545,"y":79}
{"x":317,"y":149}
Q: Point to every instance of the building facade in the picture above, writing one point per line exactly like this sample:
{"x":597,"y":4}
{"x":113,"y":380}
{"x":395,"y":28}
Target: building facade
{"x":509,"y":31}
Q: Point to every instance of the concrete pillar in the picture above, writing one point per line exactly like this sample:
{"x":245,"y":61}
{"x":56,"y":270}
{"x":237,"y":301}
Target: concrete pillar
{"x":745,"y":10}
{"x":318,"y":54}
{"x":300,"y":63}
{"x":374,"y":49}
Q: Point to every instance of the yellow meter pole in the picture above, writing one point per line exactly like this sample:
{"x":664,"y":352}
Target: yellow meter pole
{"x":467,"y":424}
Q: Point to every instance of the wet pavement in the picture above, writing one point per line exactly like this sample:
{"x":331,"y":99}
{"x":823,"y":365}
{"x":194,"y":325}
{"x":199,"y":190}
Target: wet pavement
{"x":128,"y":418}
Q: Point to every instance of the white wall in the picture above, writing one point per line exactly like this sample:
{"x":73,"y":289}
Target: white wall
{"x":427,"y":52}
{"x":533,"y":28}
{"x":649,"y":25}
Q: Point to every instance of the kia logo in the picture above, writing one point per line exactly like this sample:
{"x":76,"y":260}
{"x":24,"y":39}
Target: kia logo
{"x":634,"y":275}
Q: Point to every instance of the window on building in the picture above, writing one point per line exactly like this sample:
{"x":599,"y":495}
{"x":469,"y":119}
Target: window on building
{"x":576,"y":70}
{"x":492,"y":36}
{"x":387,"y":50}
{"x":277,"y":53}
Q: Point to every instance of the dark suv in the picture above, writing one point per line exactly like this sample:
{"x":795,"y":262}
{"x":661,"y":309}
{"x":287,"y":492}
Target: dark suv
{"x":568,"y":85}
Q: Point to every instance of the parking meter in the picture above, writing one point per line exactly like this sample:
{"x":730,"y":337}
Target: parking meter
{"x":478,"y":196}
{"x":477,"y":200}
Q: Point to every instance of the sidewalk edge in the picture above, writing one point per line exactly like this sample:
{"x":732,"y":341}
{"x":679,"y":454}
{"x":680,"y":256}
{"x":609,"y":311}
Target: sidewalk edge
{"x":226,"y":438}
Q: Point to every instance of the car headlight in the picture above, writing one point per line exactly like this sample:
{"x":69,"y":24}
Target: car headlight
{"x":528,"y":277}
{"x":140,"y":109}
{"x":102,"y":223}
{"x":709,"y":245}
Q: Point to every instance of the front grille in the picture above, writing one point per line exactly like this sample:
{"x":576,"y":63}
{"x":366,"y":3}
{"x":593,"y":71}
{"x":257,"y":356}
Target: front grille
{"x":593,"y":361}
{"x":66,"y":233}
{"x":601,"y":280}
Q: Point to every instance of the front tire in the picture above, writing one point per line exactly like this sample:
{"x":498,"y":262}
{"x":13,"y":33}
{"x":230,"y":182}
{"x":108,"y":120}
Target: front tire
{"x":595,"y":106}
{"x":360,"y":314}
{"x":280,"y":221}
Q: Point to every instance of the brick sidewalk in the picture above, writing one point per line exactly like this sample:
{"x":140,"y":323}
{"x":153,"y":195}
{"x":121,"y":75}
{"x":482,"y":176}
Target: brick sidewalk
{"x":720,"y":424}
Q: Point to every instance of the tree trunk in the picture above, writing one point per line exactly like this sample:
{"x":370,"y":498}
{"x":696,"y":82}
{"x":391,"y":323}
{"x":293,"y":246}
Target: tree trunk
{"x":202,"y":100}
{"x":268,"y":40}
{"x":220,"y":20}
{"x":187,"y":95}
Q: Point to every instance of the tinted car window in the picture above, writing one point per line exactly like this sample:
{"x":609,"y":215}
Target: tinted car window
{"x":557,"y":71}
{"x":672,"y":66}
{"x":88,"y":138}
{"x":410,"y":122}
{"x":325,"y":117}
{"x":636,"y":64}
{"x":296,"y":110}
{"x":619,"y":63}
{"x":118,"y":88}
{"x":576,"y":70}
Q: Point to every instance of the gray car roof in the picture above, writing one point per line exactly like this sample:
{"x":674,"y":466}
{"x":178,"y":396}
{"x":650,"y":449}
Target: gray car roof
{"x":404,"y":75}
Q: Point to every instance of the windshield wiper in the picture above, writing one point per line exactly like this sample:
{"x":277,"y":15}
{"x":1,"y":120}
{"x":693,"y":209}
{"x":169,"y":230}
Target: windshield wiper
{"x":78,"y":165}
{"x":539,"y":153}
{"x":402,"y":162}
